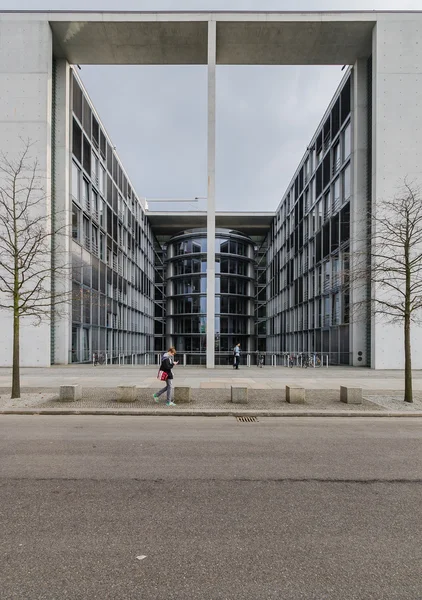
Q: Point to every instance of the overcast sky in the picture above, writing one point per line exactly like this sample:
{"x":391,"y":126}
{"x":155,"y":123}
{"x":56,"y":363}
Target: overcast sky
{"x":156,"y":116}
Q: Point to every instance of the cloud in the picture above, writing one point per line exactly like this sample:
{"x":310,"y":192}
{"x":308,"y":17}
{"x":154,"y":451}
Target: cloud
{"x":266,"y":116}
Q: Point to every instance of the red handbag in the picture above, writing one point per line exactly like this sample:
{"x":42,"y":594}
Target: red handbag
{"x":162,"y":375}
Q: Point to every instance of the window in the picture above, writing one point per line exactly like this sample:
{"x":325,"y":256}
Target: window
{"x":75,"y":181}
{"x":306,"y":169}
{"x":87,"y":155}
{"x":102,"y":246}
{"x":94,"y":238}
{"x":94,"y":168}
{"x":95,"y":132}
{"x":85,"y":195}
{"x":336,"y":189}
{"x":87,"y":116}
{"x":102,"y":181}
{"x":77,"y":99}
{"x":346,"y":183}
{"x":86,"y":233}
{"x":76,"y":215}
{"x":336,"y":158}
{"x":327,"y":205}
{"x":95,"y":205}
{"x":346,"y":143}
{"x":102,"y":213}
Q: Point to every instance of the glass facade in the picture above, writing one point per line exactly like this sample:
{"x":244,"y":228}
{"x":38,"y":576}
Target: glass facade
{"x":187,"y":294}
{"x":307,"y":259}
{"x":112,"y":248}
{"x":285,"y":290}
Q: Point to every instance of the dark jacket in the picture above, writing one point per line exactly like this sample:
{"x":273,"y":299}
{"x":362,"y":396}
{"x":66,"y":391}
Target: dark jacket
{"x":167,"y":364}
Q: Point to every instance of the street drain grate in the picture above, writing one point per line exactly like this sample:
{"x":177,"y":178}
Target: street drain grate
{"x":247,"y":419}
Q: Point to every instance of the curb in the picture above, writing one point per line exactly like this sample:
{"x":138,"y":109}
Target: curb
{"x":206,"y":413}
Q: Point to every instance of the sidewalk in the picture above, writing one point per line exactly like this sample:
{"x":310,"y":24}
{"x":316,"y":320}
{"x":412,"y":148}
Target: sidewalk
{"x":210,"y":392}
{"x":267,"y":378}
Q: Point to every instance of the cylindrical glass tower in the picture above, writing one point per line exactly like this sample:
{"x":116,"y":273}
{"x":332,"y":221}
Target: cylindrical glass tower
{"x":187,"y":294}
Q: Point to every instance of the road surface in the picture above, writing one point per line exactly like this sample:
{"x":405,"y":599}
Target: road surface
{"x":161,"y":508}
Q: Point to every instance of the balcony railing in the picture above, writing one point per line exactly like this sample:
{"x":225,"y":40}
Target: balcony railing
{"x":336,"y":205}
{"x":336,"y":166}
{"x":327,"y":142}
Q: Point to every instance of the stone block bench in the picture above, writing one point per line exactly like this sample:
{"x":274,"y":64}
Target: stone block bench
{"x":182,"y":394}
{"x":239,"y":393}
{"x":70,"y":393}
{"x":350,"y":395}
{"x":295,"y":394}
{"x":127,"y":393}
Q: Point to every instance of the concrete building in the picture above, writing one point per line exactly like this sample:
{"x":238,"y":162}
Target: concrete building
{"x":292,"y":294}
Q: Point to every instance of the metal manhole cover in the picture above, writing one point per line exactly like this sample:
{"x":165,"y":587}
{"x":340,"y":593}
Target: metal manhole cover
{"x":247,"y":419}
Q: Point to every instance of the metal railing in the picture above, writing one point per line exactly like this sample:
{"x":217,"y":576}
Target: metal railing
{"x":305,"y":359}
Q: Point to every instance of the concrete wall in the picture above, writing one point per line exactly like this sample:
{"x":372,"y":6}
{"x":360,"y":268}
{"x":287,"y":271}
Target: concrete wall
{"x":358,"y":212}
{"x":61,"y":327}
{"x":397,"y":148}
{"x":25,"y":112}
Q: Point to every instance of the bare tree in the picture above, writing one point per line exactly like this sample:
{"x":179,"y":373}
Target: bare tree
{"x":27,"y":245}
{"x":394,"y":265}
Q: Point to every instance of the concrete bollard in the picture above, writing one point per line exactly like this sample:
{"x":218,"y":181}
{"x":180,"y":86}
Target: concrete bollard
{"x":239,"y":393}
{"x":350,"y":395}
{"x":70,"y":393}
{"x":182,"y":395}
{"x":295,"y":394}
{"x":126,"y":393}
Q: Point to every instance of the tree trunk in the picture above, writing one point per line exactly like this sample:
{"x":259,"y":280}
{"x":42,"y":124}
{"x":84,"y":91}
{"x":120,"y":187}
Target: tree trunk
{"x":408,"y":390}
{"x":16,"y":379}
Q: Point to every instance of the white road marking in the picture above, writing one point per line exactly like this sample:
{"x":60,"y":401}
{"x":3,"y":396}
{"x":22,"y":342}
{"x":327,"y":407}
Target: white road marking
{"x":141,"y":557}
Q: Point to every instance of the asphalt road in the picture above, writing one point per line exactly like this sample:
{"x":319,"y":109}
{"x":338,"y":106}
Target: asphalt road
{"x":284,"y":508}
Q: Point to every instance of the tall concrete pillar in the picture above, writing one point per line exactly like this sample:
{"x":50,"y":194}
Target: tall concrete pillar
{"x":359,"y":205}
{"x":212,"y":47}
{"x":397,"y":149}
{"x":62,"y":206}
{"x":26,"y":57}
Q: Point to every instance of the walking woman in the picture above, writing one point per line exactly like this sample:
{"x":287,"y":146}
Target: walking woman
{"x":167,"y":364}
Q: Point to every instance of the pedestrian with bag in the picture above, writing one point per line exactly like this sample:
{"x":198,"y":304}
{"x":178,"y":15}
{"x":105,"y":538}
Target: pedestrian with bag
{"x":165,"y":374}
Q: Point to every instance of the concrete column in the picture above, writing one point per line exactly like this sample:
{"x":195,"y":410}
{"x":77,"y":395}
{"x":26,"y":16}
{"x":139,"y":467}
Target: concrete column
{"x":62,"y":203}
{"x":212,"y":46}
{"x":26,"y":58}
{"x":358,"y":211}
{"x":397,"y":150}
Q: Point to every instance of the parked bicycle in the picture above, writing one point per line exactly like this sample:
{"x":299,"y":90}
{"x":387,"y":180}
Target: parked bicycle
{"x":304,"y":360}
{"x":99,"y":358}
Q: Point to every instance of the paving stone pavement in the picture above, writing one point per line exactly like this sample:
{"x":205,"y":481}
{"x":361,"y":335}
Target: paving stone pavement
{"x":211,"y":389}
{"x":220,"y":378}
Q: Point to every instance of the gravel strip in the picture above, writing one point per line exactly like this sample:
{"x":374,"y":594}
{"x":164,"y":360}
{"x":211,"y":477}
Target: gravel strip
{"x":396,"y":403}
{"x":266,"y":400}
{"x":27,"y":400}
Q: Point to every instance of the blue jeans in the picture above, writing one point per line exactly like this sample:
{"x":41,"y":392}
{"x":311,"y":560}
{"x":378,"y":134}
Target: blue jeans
{"x":169,"y":389}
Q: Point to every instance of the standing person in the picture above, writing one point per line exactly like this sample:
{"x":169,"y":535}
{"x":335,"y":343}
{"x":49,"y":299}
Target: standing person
{"x":236,"y":353}
{"x":167,"y":364}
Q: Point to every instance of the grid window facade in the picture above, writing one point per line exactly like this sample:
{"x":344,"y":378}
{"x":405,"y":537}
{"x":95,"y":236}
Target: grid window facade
{"x":307,"y":299}
{"x":113,"y":249}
